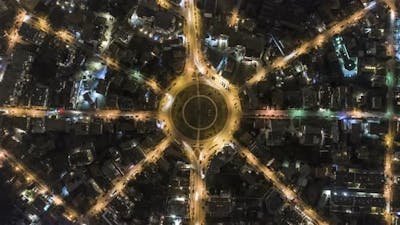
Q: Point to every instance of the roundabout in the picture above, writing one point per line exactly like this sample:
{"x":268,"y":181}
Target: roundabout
{"x":200,"y":111}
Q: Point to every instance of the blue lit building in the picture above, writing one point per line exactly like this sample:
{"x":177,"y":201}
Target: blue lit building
{"x":85,"y":94}
{"x":397,"y":38}
{"x":348,"y":65}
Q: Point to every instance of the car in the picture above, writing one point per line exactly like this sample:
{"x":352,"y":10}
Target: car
{"x":112,"y":194}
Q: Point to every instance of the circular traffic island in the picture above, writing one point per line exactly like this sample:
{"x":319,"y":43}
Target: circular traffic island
{"x":199,"y":112}
{"x":203,"y":104}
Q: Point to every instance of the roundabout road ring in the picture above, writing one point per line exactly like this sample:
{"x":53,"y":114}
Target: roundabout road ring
{"x":214,"y":129}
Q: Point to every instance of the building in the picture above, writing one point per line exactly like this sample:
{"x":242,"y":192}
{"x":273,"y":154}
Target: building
{"x":359,"y":179}
{"x":81,"y":156}
{"x":220,"y":206}
{"x":348,"y":201}
{"x":348,"y":64}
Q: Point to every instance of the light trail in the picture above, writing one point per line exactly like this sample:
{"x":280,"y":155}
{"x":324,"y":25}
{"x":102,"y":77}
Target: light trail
{"x":120,"y":183}
{"x":29,"y":175}
{"x":42,"y":24}
{"x":13,"y":38}
{"x":225,"y":136}
{"x":164,"y":4}
{"x":65,"y":36}
{"x":198,"y":61}
{"x":389,"y":138}
{"x":287,"y":192}
{"x":111,"y":62}
{"x":13,"y":34}
{"x":391,"y":4}
{"x":314,"y":43}
{"x":101,"y":114}
{"x":193,"y":37}
{"x":199,"y":194}
{"x":388,"y":171}
{"x":191,"y":31}
{"x":211,"y":146}
{"x":300,"y":113}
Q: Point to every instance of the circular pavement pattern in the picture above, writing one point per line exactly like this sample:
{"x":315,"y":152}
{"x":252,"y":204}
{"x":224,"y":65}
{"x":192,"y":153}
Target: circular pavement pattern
{"x":207,"y":116}
{"x":199,"y":111}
